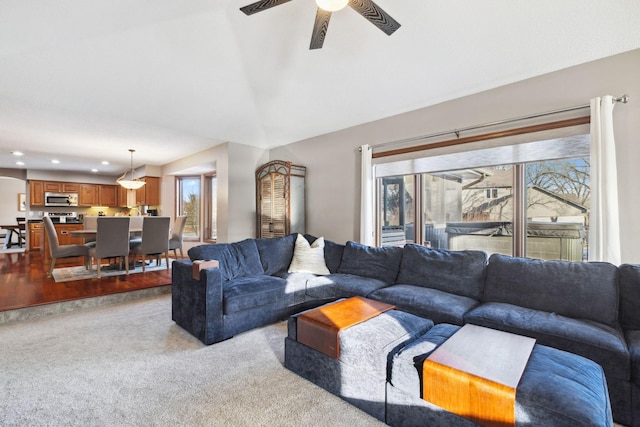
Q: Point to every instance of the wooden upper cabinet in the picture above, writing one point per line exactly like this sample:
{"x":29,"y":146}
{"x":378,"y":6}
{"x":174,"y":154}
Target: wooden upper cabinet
{"x":70,"y":187}
{"x":52,"y":187}
{"x":88,"y":195}
{"x":36,"y":193}
{"x":37,"y":189}
{"x":122,"y":196}
{"x":95,"y":194}
{"x":149,"y":194}
{"x":108,"y":195}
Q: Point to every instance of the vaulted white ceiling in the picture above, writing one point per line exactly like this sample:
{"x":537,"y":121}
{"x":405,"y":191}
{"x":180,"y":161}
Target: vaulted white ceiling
{"x":85,"y":80}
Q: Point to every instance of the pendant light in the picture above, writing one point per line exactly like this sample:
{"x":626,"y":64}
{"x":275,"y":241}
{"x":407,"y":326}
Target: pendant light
{"x":332,"y":5}
{"x":132,"y":184}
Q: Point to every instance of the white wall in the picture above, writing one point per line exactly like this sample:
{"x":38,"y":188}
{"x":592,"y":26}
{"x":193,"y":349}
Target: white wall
{"x":235,"y":166}
{"x":242,"y":165}
{"x":332,"y":160}
{"x":66,"y":176}
{"x":9,"y":189}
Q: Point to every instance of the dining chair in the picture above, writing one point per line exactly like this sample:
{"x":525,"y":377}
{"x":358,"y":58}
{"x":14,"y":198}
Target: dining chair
{"x":175,"y":241}
{"x":112,"y":241}
{"x":154,"y":240}
{"x":22,"y":230}
{"x":61,"y":251}
{"x":90,"y":223}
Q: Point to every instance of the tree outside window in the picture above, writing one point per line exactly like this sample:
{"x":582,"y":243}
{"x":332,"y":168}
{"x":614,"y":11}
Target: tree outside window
{"x":189,"y":199}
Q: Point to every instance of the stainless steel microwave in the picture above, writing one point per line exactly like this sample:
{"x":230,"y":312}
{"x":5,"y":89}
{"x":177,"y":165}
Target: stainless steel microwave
{"x":61,"y":199}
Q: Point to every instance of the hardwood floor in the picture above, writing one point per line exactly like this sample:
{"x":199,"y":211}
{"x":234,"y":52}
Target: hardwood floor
{"x":24,"y":282}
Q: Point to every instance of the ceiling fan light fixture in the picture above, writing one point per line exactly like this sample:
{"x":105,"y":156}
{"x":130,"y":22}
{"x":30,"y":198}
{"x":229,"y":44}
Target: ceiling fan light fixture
{"x":130,"y":184}
{"x":332,"y":5}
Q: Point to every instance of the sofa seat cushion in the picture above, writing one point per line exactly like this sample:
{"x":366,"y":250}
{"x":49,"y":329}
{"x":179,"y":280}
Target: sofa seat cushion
{"x":369,"y":261}
{"x":566,"y":288}
{"x":633,"y":341}
{"x":255,"y":291}
{"x":457,"y":272}
{"x":342,"y":286}
{"x":439,"y":306}
{"x":557,"y":388}
{"x":601,"y":343}
{"x":297,"y":285}
{"x":406,"y":370}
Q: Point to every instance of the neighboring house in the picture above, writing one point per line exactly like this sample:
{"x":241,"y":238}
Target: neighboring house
{"x":490,"y":199}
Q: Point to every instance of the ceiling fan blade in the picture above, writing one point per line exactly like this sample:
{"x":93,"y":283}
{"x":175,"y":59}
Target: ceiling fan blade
{"x":374,"y":14}
{"x":261,"y":5}
{"x":320,"y":28}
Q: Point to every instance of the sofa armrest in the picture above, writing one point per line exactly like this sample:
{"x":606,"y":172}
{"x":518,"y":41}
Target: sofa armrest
{"x":196,"y":305}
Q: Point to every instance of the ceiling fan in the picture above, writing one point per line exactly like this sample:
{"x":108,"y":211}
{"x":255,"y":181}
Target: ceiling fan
{"x":367,"y":8}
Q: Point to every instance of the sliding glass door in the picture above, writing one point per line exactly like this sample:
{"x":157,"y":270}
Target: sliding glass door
{"x":537,"y":208}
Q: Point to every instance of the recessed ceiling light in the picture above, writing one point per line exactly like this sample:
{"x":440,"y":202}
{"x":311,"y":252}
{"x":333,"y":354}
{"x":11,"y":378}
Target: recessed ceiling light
{"x":104,"y":162}
{"x":55,"y":162}
{"x":17,"y":153}
{"x":20,"y":163}
{"x":94,"y":170}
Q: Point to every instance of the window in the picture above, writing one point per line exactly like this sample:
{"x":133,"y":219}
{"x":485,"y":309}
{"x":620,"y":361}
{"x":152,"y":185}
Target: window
{"x":397,"y":210}
{"x":211,"y":209}
{"x":492,"y":193}
{"x":540,"y":201}
{"x":188,"y":200}
{"x":558,"y":196}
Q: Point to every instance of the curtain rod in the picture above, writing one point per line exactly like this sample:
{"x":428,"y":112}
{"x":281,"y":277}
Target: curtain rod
{"x":624,"y":99}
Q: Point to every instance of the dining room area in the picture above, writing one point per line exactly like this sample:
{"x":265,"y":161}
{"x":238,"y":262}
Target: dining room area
{"x":109,"y":256}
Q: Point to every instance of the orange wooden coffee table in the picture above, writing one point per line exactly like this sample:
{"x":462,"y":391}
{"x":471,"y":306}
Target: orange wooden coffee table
{"x":475,"y":374}
{"x":320,"y":328}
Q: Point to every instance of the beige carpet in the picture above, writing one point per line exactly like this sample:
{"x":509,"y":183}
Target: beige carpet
{"x":130,"y":365}
{"x":67,"y":274}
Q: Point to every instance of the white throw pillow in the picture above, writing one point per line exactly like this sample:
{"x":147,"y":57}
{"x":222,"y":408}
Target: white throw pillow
{"x":309,"y":258}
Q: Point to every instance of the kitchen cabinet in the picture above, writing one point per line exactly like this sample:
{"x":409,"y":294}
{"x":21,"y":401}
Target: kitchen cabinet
{"x":70,"y":187}
{"x":36,"y":193}
{"x":63,"y":231}
{"x":52,"y":187}
{"x":88,"y":195}
{"x":35,"y":235}
{"x":108,"y":195}
{"x":149,"y":194}
{"x":94,"y":194}
{"x":280,"y":199}
{"x":122,"y":196}
{"x":37,"y":189}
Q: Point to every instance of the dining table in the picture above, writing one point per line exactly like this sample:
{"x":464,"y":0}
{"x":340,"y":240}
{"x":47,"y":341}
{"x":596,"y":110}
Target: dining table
{"x":11,"y":229}
{"x":90,"y":234}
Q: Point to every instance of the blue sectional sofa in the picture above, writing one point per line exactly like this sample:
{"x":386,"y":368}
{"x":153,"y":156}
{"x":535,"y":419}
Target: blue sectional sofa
{"x":590,"y":309}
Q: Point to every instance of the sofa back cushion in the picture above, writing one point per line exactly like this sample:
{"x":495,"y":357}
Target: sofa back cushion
{"x":369,"y":261}
{"x":629,"y":279}
{"x":238,"y":259}
{"x":457,"y":272}
{"x":582,"y":290}
{"x":332,"y":252}
{"x":276,"y":253}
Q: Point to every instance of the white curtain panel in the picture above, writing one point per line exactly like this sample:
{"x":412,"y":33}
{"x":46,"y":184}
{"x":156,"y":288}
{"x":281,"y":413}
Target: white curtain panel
{"x":604,"y":222}
{"x":366,"y":196}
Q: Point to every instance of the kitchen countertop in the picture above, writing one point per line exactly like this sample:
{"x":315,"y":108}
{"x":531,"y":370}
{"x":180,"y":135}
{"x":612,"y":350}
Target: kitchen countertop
{"x":56,"y":223}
